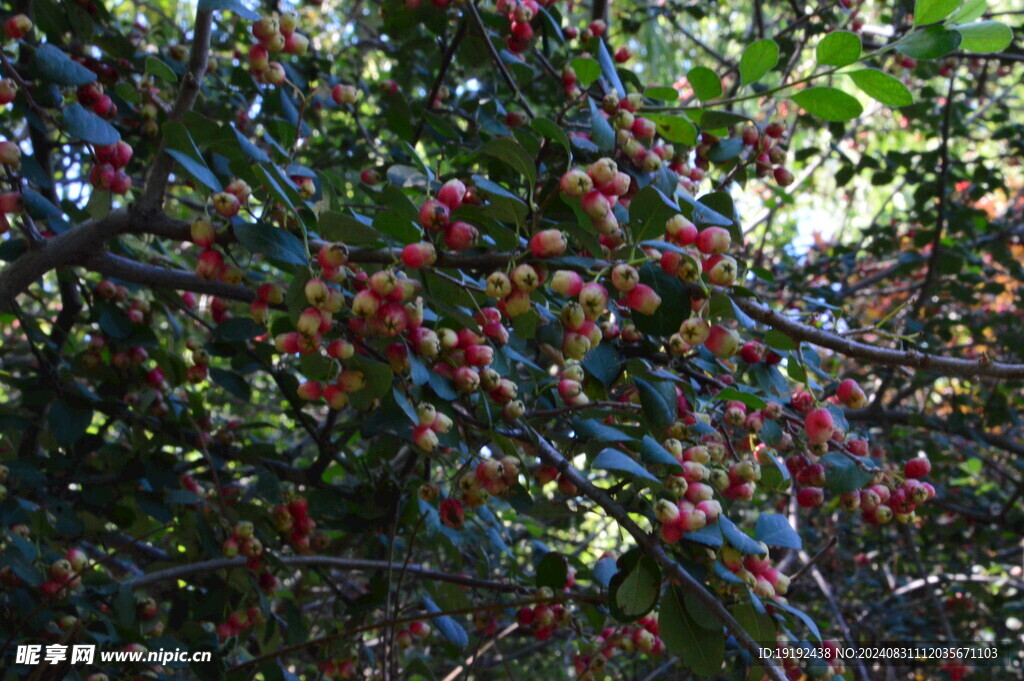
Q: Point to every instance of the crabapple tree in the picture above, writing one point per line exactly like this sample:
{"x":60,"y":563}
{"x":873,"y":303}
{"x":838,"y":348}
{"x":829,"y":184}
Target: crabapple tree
{"x":587,"y":340}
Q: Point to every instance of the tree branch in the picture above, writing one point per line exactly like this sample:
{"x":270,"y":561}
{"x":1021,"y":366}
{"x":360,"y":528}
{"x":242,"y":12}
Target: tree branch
{"x":156,"y":178}
{"x":652,"y":545}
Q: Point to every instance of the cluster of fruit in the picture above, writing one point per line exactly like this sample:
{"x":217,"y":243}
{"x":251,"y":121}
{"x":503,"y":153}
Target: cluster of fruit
{"x":275,"y":33}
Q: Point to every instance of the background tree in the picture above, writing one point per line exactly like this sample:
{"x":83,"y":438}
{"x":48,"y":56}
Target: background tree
{"x":411,"y":340}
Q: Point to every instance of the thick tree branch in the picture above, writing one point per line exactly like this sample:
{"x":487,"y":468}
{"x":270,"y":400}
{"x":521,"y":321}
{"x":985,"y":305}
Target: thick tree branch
{"x":110,"y":265}
{"x":880,"y":356}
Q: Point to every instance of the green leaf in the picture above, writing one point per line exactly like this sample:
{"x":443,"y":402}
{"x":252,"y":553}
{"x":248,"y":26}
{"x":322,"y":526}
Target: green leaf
{"x":378,"y":378}
{"x":552,"y":571}
{"x":969,"y":11}
{"x":608,"y":68}
{"x":592,"y":429}
{"x":800,"y":615}
{"x":277,"y":244}
{"x":68,"y":422}
{"x":448,"y":627}
{"x":738,"y":538}
{"x":654,"y":405}
{"x":675,"y":128}
{"x":758,"y":59}
{"x":614,"y":460}
{"x":675,"y":302}
{"x":237,"y":329}
{"x":930,"y":11}
{"x":633,"y":591}
{"x":232,"y":382}
{"x":929,"y":43}
{"x":842,"y":473}
{"x":649,"y":210}
{"x":779,"y":341}
{"x":735,"y":395}
{"x":774,"y":530}
{"x":56,"y":67}
{"x":755,"y":621}
{"x":553,"y":132}
{"x":838,"y":48}
{"x":705,"y":83}
{"x":182,"y":148}
{"x":652,"y":452}
{"x":882,"y":87}
{"x":587,"y":70}
{"x":721,"y":119}
{"x":155,"y":67}
{"x":985,"y":36}
{"x":512,"y":153}
{"x":661,"y":93}
{"x":700,"y":650}
{"x":344,"y":227}
{"x":828,"y":103}
{"x":87,"y":126}
{"x":601,"y":132}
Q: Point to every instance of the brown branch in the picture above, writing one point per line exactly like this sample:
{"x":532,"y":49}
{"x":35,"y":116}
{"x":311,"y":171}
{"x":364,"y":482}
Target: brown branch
{"x":881,"y":356}
{"x":156,"y":178}
{"x":446,"y":62}
{"x":940,"y":220}
{"x":110,"y":265}
{"x":496,"y":58}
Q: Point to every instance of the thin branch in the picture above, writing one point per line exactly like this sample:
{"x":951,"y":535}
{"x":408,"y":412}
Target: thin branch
{"x":471,"y":8}
{"x":156,"y":178}
{"x":653,"y":546}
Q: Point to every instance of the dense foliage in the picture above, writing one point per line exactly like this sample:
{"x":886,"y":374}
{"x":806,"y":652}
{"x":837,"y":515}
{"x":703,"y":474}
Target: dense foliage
{"x":428,"y":340}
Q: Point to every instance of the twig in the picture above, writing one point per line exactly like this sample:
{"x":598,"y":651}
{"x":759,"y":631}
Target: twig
{"x":471,"y":7}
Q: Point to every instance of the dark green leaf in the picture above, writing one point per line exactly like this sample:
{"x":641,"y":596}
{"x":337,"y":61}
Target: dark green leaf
{"x":237,"y":329}
{"x":232,"y":382}
{"x":842,"y":473}
{"x":614,"y":460}
{"x":633,"y":591}
{"x":655,"y":407}
{"x":553,"y":132}
{"x":739,"y":539}
{"x":929,"y":43}
{"x":87,"y":126}
{"x":448,"y":627}
{"x":183,"y":149}
{"x":277,"y":244}
{"x":54,"y":66}
{"x":774,"y":530}
{"x":652,"y":452}
{"x":68,"y":422}
{"x":700,"y":650}
{"x":592,"y":429}
{"x":552,"y":571}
